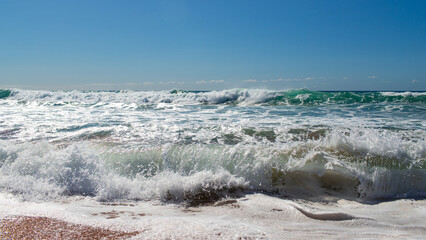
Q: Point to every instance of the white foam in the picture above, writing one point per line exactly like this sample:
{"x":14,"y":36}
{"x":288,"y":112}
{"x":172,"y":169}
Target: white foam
{"x":255,"y":216}
{"x":169,"y":186}
{"x":384,"y":164}
{"x":403,"y":94}
{"x":41,"y":171}
{"x":140,"y":97}
{"x":176,"y":136}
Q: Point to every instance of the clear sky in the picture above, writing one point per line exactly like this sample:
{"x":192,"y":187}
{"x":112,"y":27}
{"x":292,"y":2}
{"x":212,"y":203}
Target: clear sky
{"x":205,"y":45}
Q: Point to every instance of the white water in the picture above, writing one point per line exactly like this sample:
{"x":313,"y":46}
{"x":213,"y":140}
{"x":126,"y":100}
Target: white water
{"x":372,"y":163}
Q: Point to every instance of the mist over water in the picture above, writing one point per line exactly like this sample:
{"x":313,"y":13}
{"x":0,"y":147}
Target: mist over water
{"x":178,"y":146}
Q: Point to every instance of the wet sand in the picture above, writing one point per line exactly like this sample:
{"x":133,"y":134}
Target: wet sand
{"x":20,"y":227}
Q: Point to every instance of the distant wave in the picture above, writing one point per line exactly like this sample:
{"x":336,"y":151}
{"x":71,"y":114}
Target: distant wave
{"x":232,"y":96}
{"x":4,"y":93}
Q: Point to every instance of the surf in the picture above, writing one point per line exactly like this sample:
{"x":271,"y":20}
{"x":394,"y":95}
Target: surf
{"x":231,"y":96}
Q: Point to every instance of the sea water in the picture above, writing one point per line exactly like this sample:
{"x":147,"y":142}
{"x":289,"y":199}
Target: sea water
{"x":258,"y":150}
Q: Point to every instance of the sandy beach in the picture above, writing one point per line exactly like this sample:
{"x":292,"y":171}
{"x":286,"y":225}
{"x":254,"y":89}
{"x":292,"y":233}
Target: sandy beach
{"x":21,"y":227}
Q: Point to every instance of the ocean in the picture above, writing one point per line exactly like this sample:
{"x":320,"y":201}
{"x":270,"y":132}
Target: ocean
{"x":230,"y":164}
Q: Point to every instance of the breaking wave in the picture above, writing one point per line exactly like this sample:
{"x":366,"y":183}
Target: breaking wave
{"x":233,"y":96}
{"x":357,"y":165}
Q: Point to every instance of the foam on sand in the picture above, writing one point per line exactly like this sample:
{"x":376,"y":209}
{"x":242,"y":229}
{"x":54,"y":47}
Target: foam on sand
{"x":256,"y":216}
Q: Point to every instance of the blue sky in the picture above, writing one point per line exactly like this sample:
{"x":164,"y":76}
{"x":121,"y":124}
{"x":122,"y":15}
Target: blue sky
{"x":206,"y":45}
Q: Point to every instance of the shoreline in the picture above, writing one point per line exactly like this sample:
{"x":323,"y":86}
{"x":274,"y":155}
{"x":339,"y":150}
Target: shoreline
{"x":33,"y":227}
{"x":255,"y":216}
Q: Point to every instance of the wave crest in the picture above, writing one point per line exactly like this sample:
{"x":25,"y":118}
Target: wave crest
{"x":205,"y":173}
{"x":232,"y":96}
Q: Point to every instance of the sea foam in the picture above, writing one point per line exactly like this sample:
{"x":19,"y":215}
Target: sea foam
{"x":338,"y":165}
{"x":195,"y":147}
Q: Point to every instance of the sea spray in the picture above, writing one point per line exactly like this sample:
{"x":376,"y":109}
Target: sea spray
{"x":184,"y":172}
